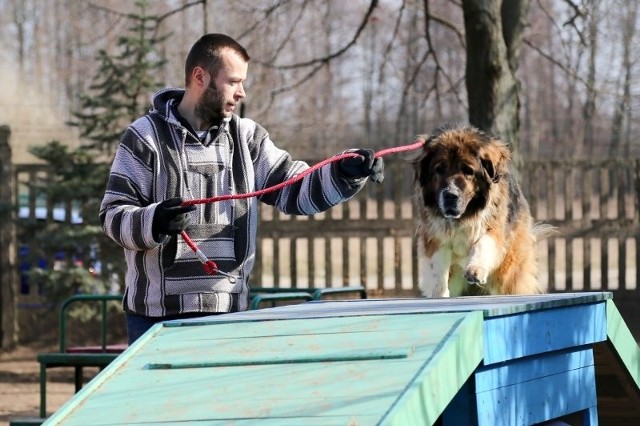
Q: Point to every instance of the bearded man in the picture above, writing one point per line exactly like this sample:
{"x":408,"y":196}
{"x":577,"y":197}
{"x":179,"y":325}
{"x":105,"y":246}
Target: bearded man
{"x":192,"y":145}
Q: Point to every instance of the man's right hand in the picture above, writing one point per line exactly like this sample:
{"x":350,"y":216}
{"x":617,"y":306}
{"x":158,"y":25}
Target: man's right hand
{"x":171,"y":217}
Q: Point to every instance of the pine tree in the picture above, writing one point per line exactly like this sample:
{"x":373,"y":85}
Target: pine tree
{"x":123,"y":83}
{"x":119,"y":93}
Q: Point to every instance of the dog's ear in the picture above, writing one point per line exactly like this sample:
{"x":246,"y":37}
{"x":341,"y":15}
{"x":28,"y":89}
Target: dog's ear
{"x":421,"y":158}
{"x":494,"y":158}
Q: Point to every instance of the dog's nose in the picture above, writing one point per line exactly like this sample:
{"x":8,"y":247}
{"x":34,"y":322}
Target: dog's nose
{"x":449,"y":197}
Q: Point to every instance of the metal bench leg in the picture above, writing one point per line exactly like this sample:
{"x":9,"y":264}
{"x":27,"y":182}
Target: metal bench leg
{"x":78,"y":377}
{"x":43,"y":390}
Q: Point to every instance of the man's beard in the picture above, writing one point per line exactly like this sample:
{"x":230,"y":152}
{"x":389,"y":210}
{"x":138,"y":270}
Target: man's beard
{"x":210,"y":106}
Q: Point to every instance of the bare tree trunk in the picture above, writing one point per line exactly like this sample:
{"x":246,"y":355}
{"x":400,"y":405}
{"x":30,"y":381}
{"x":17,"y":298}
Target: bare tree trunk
{"x":369,"y":85}
{"x":8,"y":249}
{"x":589,"y":107}
{"x":19,"y":20}
{"x":621,"y":119}
{"x":494,"y":35}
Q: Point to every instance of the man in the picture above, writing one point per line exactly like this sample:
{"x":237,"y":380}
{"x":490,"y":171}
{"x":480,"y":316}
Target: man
{"x":191,"y":145}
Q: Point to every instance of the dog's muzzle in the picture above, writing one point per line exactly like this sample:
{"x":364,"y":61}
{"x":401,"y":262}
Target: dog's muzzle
{"x":451,"y":203}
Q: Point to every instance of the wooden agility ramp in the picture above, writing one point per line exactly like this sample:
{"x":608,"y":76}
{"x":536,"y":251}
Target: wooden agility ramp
{"x":508,"y":360}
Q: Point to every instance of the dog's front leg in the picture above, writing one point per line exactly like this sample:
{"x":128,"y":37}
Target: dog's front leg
{"x":434,"y":277}
{"x":484,"y":257}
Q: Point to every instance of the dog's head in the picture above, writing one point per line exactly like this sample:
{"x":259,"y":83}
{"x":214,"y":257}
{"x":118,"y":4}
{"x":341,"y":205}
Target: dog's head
{"x":457,"y":169}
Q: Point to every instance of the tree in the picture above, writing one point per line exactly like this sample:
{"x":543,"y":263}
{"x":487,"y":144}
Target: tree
{"x":123,"y":83}
{"x":74,"y":182}
{"x":493,"y":31}
{"x":119,"y":93}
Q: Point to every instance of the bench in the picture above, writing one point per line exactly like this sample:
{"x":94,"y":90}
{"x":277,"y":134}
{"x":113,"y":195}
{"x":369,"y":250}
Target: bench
{"x":322,"y":293}
{"x":274,"y":295}
{"x":79,"y":357}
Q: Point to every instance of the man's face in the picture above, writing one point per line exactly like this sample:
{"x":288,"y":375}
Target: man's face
{"x":225,"y":90}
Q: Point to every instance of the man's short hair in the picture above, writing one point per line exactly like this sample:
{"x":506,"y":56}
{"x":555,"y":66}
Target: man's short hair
{"x":206,"y":53}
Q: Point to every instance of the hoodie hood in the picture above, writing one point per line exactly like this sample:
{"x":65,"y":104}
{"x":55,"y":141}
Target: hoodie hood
{"x":163,"y":100}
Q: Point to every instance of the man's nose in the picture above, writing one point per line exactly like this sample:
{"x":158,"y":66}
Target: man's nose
{"x":240,"y":92}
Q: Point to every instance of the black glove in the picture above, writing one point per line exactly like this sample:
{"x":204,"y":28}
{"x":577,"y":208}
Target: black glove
{"x":170,"y":217}
{"x":365,"y":165}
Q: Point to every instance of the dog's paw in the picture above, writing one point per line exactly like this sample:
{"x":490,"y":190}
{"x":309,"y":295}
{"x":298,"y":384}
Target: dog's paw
{"x":476,"y":275}
{"x":435,"y":292}
{"x":441,"y":292}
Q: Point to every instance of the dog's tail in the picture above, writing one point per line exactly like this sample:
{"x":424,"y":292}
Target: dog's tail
{"x":542,"y":231}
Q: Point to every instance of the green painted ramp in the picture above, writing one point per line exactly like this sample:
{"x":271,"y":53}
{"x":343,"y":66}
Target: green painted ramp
{"x":329,"y":371}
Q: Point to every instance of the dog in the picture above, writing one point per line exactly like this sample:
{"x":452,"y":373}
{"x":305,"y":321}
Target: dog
{"x":475,"y":232}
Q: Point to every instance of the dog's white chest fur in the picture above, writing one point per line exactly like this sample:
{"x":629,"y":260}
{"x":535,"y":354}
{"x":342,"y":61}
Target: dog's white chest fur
{"x":457,"y":263}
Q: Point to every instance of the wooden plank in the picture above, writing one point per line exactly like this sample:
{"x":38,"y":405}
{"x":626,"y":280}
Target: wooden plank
{"x":380,"y":262}
{"x":622,"y":263}
{"x":310,"y":262}
{"x":552,"y":191}
{"x":541,"y":331}
{"x":276,"y":256}
{"x":568,"y":192}
{"x":497,"y":376}
{"x":397,"y":263}
{"x":568,"y":264}
{"x":551,"y":265}
{"x":363,"y":262}
{"x":328,"y":277}
{"x":293,"y":265}
{"x":546,"y":398}
{"x":588,"y":285}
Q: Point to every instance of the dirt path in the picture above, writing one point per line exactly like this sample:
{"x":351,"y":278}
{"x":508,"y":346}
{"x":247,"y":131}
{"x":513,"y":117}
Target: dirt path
{"x":20,"y":385}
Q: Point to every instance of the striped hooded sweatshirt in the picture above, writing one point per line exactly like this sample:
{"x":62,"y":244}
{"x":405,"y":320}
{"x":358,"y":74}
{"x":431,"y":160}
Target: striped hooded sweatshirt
{"x":158,"y":158}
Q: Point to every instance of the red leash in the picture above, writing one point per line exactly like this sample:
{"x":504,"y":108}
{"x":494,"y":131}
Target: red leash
{"x":210,"y":266}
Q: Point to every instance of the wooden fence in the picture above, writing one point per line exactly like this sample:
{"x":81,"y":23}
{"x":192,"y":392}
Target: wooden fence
{"x":370,"y":239}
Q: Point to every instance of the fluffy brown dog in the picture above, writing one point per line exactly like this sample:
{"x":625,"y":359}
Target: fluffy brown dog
{"x":475,"y":231}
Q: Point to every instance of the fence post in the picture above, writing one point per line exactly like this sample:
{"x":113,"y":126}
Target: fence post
{"x":8,"y":253}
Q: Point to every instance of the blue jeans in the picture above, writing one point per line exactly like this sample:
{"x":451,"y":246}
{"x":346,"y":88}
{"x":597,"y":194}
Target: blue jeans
{"x":137,"y":325}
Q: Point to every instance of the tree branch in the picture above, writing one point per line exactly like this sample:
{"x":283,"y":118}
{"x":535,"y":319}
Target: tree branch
{"x":326,"y":59}
{"x":555,"y":62}
{"x":158,"y":19}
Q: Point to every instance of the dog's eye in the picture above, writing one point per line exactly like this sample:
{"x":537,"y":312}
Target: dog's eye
{"x":467,"y":170}
{"x":440,"y":169}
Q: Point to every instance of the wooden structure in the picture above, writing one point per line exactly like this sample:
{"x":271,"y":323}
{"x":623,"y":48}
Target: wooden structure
{"x":510,"y":360}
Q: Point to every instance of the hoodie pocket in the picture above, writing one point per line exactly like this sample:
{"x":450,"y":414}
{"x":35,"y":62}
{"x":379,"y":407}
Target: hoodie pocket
{"x":186,"y":273}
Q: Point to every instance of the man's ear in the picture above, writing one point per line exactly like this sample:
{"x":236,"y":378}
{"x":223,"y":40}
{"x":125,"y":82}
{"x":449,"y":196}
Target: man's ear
{"x":494,"y":158}
{"x":198,"y":76}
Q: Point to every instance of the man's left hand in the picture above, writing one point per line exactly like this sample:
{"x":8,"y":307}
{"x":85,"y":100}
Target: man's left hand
{"x":364,"y":165}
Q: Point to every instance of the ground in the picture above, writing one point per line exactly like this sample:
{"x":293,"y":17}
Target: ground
{"x":20,"y":384}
